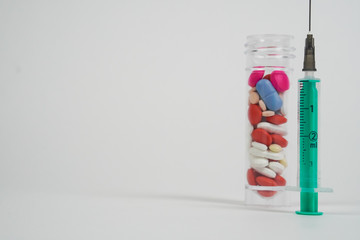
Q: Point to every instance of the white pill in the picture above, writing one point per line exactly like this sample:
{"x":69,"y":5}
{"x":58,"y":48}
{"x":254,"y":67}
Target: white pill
{"x":266,"y":154}
{"x":266,"y":172}
{"x":259,"y":146}
{"x":272,"y":128}
{"x":276,"y":167}
{"x":256,"y":162}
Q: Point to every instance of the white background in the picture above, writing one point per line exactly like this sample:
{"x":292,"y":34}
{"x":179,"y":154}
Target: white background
{"x":125,"y":119}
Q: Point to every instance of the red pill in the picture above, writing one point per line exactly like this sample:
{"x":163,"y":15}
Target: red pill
{"x":251,"y":177}
{"x":267,"y":77}
{"x":280,"y":181}
{"x":254,"y":114}
{"x":276,"y":119}
{"x":277,"y":139}
{"x":267,"y":193}
{"x":261,"y":136}
{"x":265,"y":181}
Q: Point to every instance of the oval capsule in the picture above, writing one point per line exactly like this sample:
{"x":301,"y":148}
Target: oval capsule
{"x":269,"y":95}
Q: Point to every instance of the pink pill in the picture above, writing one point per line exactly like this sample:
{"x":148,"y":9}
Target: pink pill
{"x":280,"y":81}
{"x":255,"y":76}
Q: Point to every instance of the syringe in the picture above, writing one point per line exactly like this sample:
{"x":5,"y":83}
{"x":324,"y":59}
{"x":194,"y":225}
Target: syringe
{"x":308,"y":130}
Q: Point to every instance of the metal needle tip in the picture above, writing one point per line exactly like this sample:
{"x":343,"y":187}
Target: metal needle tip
{"x":309,"y":16}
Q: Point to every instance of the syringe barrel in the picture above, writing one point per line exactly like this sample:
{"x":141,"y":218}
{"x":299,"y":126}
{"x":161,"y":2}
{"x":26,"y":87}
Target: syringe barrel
{"x":308,"y":141}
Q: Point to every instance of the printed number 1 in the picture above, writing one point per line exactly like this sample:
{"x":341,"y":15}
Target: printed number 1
{"x":312,"y":108}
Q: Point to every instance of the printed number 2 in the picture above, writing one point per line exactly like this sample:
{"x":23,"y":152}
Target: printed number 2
{"x":312,"y":108}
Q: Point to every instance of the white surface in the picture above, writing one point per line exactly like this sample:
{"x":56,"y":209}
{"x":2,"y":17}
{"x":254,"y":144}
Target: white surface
{"x":106,"y":98}
{"x":153,"y":216}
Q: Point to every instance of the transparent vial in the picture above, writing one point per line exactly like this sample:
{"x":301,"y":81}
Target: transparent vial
{"x":268,"y":80}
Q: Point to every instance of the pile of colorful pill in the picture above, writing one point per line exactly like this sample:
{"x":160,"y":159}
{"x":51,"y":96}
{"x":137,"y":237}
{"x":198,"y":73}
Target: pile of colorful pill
{"x":267,"y":117}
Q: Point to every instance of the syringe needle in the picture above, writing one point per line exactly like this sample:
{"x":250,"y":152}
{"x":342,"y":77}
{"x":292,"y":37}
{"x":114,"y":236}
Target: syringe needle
{"x":309,"y":15}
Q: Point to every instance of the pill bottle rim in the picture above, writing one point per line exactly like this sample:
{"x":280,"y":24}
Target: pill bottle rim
{"x":276,"y":38}
{"x":269,"y":50}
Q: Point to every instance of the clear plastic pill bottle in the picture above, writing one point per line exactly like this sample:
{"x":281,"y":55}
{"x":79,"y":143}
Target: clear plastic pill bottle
{"x":270,"y":165}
